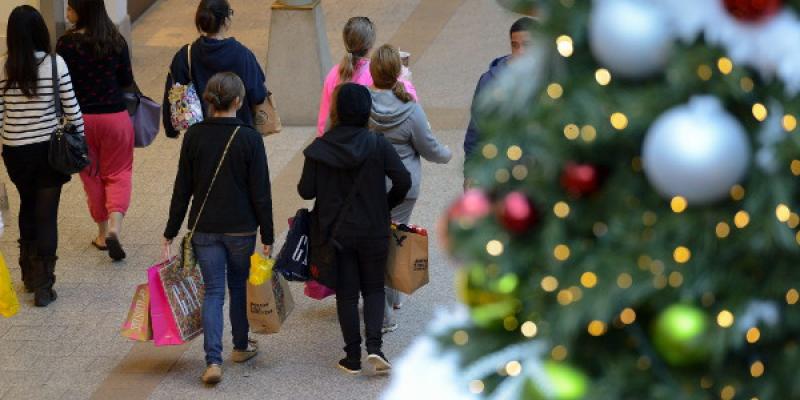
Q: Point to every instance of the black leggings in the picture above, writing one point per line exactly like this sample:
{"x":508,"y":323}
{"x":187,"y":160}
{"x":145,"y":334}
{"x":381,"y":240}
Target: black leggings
{"x":362,"y":268}
{"x":39,"y":187}
{"x":38,"y":217}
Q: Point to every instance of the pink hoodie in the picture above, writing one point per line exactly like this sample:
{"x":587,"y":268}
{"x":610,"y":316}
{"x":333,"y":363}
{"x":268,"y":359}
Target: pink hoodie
{"x":361,"y":76}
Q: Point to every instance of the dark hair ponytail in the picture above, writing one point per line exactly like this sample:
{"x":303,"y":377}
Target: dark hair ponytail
{"x":212,"y":15}
{"x":27,"y":33}
{"x":101,"y":33}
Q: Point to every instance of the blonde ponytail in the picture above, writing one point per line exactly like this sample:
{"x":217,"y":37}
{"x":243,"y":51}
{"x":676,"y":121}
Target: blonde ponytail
{"x":359,"y":37}
{"x":347,"y":67}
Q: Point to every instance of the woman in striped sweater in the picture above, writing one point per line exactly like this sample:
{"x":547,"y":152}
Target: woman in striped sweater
{"x":27,"y":117}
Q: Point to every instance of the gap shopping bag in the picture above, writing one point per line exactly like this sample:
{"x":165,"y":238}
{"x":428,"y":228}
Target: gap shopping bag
{"x":292,"y":261}
{"x":137,"y":325}
{"x":269,"y":305}
{"x":9,"y":305}
{"x":407,"y":265}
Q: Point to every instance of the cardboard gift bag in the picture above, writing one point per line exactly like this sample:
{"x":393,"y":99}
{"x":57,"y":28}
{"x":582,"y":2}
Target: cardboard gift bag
{"x":138,"y":325}
{"x":407,"y":265}
{"x":176,"y":302}
{"x":185,"y":290}
{"x":269,"y":305}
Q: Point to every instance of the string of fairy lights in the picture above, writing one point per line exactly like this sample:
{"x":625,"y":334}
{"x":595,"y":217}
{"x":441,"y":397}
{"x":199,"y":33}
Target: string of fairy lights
{"x":681,"y":254}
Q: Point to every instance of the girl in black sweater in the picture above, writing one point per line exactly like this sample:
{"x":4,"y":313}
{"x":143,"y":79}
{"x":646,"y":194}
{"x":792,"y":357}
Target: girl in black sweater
{"x":223,"y":166}
{"x":332,"y":166}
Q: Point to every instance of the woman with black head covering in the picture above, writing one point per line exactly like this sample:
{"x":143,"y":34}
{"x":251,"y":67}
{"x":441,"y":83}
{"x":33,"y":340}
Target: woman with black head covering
{"x":333,"y":167}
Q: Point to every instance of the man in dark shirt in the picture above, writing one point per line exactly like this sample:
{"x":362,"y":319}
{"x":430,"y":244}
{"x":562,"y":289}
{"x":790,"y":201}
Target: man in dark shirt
{"x":520,"y":35}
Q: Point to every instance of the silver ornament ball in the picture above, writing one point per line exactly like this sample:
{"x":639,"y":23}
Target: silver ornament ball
{"x":632,"y":38}
{"x":698,"y":151}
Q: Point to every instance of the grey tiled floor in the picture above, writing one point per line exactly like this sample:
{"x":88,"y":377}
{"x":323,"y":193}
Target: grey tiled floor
{"x":66,"y":350}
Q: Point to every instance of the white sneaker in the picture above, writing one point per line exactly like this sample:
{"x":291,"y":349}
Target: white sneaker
{"x":388,"y":328}
{"x":379,"y":364}
{"x":240,"y":356}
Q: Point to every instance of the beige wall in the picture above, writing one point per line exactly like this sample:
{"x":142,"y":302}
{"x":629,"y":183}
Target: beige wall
{"x":5,"y":9}
{"x":117,"y":10}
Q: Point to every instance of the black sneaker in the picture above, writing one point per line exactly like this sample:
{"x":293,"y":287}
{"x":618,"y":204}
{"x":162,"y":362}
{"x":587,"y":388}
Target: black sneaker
{"x":379,"y":363}
{"x":44,"y":297}
{"x":350,"y":366}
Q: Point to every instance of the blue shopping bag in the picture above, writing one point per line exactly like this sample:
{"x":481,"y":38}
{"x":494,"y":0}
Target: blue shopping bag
{"x":292,"y":260}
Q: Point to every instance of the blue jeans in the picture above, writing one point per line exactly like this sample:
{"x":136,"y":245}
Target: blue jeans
{"x":217,"y":255}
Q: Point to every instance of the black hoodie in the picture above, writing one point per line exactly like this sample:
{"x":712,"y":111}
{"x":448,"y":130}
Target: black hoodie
{"x":210,"y":56}
{"x":332,"y":165}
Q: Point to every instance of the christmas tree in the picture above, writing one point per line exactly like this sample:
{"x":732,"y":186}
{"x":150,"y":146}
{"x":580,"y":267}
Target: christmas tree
{"x":634,"y":230}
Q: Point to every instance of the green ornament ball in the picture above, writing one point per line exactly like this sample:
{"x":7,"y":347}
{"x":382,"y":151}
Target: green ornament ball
{"x":564,"y":383}
{"x":679,"y":335}
{"x":568,"y":383}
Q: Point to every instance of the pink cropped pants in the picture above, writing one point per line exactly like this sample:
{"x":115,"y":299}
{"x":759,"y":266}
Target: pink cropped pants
{"x":107,"y":181}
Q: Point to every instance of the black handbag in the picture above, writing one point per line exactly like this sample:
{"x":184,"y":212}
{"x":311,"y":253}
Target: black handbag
{"x":68,"y":151}
{"x":323,"y":247}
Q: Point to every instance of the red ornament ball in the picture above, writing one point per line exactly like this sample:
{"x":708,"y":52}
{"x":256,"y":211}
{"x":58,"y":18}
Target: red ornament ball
{"x":580,"y":179}
{"x":472,"y":206}
{"x":517,"y":213}
{"x":753,"y":10}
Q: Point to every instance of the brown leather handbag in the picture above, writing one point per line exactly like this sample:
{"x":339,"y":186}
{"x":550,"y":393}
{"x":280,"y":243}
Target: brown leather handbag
{"x":265,"y":117}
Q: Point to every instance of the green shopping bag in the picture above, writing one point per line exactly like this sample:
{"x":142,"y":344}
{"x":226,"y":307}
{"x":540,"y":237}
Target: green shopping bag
{"x":9,"y":305}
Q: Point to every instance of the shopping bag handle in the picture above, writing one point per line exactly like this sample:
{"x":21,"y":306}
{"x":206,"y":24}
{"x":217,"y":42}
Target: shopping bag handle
{"x":167,"y":252}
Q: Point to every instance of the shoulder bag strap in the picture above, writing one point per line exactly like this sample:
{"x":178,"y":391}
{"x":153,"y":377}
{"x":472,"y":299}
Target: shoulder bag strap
{"x":213,"y":179}
{"x":56,"y":89}
{"x":189,"y":61}
{"x":351,"y":196}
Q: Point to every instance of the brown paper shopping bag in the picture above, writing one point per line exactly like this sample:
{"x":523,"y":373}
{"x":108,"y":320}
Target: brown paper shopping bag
{"x":137,"y":325}
{"x":407,"y":265}
{"x":269,"y":305}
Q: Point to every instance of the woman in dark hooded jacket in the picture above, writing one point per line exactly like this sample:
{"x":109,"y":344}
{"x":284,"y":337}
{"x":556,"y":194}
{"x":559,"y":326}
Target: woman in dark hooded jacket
{"x":213,"y":52}
{"x":332,"y":167}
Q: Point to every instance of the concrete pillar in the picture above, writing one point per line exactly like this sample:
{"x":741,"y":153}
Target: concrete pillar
{"x":54,"y":14}
{"x":298,"y":59}
{"x":118,"y":12}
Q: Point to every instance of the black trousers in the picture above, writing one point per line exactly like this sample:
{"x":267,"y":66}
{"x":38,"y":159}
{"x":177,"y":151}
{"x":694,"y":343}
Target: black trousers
{"x":39,"y":187}
{"x":361,"y":269}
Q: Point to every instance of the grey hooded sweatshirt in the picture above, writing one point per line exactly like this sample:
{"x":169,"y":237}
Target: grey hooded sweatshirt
{"x":406,"y":127}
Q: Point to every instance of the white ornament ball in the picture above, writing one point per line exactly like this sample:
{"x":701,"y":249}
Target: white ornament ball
{"x":698,"y":151}
{"x":632,"y":38}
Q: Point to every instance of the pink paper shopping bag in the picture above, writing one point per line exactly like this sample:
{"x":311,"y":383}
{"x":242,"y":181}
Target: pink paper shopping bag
{"x":165,"y":329}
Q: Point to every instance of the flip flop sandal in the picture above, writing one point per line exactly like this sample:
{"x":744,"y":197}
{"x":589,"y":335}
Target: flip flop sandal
{"x":114,"y":248}
{"x":98,"y":247}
